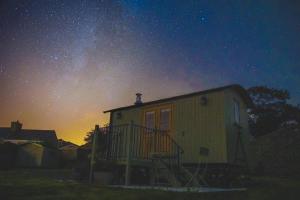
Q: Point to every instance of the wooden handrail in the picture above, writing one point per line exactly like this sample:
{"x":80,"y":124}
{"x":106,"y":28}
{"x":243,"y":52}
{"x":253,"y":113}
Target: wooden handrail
{"x":115,"y":142}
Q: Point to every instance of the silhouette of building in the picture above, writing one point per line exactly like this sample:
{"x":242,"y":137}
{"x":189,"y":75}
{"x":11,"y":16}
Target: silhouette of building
{"x":68,"y":152}
{"x":28,"y":148}
{"x":16,"y":134}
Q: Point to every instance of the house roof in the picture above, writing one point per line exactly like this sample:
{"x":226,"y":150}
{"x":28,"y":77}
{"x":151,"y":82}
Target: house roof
{"x":48,"y":136}
{"x":239,"y":89}
{"x":86,"y":146}
{"x":69,"y":146}
{"x":62,"y":143}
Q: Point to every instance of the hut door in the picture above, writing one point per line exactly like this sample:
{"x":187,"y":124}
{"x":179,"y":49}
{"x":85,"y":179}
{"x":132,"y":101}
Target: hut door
{"x":150,"y":124}
{"x":165,"y":119}
{"x":157,"y":118}
{"x":150,"y":119}
{"x":164,"y":126}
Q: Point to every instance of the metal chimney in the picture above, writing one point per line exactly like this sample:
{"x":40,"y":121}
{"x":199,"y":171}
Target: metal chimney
{"x":138,"y":100}
{"x":15,"y":126}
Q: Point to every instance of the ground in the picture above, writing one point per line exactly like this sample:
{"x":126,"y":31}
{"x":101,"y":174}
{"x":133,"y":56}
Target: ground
{"x":52,"y":184}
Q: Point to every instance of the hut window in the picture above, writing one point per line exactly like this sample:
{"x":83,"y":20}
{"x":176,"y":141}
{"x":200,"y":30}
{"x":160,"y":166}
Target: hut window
{"x":150,"y":119}
{"x":165,"y":119}
{"x":236,"y":112}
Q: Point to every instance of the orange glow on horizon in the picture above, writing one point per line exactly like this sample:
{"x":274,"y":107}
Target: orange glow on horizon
{"x":74,"y":133}
{"x":72,"y":105}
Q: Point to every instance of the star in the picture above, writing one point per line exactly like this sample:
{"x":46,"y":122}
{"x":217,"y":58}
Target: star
{"x":91,"y":55}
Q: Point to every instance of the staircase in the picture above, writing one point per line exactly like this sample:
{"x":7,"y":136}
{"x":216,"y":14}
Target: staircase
{"x":167,"y":173}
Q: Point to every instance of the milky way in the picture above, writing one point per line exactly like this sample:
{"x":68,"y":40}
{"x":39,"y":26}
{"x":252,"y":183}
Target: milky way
{"x":63,"y":62}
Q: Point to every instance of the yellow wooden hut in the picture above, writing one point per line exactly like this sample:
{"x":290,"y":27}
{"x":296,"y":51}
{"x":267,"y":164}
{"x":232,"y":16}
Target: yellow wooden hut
{"x":209,"y":126}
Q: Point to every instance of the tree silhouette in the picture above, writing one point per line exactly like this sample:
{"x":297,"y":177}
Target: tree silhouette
{"x":271,"y":110}
{"x":89,"y":136}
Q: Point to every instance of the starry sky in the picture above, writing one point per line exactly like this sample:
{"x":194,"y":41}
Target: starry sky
{"x":62,"y":62}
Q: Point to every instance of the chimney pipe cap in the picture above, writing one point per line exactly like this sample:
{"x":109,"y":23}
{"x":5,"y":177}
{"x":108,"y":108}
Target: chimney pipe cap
{"x":138,"y":98}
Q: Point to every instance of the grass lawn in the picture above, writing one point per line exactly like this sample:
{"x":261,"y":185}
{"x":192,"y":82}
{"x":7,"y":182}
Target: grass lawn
{"x":45,"y":184}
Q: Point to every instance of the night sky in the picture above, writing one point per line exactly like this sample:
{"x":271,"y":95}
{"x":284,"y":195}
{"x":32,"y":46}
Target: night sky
{"x":63,"y":62}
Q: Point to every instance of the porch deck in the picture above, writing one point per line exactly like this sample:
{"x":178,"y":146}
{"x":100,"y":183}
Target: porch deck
{"x":133,"y":145}
{"x":136,"y":143}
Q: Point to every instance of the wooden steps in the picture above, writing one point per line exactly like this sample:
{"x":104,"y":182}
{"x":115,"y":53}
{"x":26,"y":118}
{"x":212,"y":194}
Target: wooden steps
{"x":166,"y":173}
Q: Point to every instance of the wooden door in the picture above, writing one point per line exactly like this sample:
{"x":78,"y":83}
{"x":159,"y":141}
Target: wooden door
{"x":157,"y":118}
{"x":165,"y":129}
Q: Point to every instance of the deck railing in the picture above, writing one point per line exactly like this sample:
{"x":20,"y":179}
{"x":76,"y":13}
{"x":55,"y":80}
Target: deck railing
{"x":142,"y":143}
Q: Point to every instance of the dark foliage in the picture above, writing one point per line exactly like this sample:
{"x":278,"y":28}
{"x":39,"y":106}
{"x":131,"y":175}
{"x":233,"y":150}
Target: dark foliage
{"x":89,"y":136}
{"x":101,"y":138}
{"x":271,"y":110}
